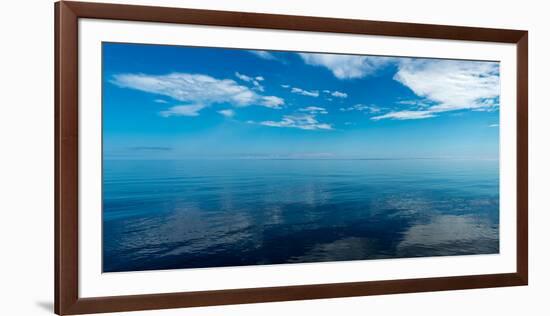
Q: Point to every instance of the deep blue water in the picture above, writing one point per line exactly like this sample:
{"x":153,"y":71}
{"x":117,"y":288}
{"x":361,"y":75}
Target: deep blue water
{"x":212,"y":213}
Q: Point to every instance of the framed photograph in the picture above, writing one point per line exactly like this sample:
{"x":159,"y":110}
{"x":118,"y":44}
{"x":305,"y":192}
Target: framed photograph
{"x":210,"y":157}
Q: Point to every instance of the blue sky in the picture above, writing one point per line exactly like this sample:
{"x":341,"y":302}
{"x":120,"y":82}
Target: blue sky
{"x":171,"y":102}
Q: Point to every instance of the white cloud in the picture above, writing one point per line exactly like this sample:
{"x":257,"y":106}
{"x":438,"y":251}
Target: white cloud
{"x":494,"y":125}
{"x":227,"y":112}
{"x":314,"y":110}
{"x":272,"y":102}
{"x":420,"y":103}
{"x":305,"y":122}
{"x":446,"y":85}
{"x":243,"y":77}
{"x":405,"y":115}
{"x":339,"y":94}
{"x":189,"y":87}
{"x":160,"y":101}
{"x":199,"y":90}
{"x":263,"y":54}
{"x":451,"y":84}
{"x":315,"y":93}
{"x":336,"y":94}
{"x":258,"y":86}
{"x":488,"y":105}
{"x":363,"y":108}
{"x":183,"y":110}
{"x":254,"y":80}
{"x":312,"y":93}
{"x":346,"y":66}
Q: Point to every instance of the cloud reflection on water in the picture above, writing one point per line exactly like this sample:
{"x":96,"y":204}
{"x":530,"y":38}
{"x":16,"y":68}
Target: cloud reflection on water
{"x":292,"y":218}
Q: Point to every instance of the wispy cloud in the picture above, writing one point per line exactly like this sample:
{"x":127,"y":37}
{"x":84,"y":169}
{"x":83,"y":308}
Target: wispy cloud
{"x":404,"y":115}
{"x":346,"y":66}
{"x":305,"y":122}
{"x":160,"y":101}
{"x":199,"y":90}
{"x":446,"y":85}
{"x":253,"y":80}
{"x":339,"y":94}
{"x":451,"y":84}
{"x":243,"y":77}
{"x":227,"y":112}
{"x":489,"y":105}
{"x":188,"y":87}
{"x":420,"y":104}
{"x":263,"y":54}
{"x":272,"y":102}
{"x":362,"y":108}
{"x":314,"y":110}
{"x":183,"y":110}
{"x":312,"y":93}
{"x":315,"y":93}
{"x":494,"y":125}
{"x":258,"y":86}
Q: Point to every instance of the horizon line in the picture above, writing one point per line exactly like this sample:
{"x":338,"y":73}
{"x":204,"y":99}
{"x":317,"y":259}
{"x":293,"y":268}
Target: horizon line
{"x":306,"y":158}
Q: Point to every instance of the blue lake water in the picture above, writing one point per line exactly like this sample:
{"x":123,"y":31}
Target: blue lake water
{"x":213,"y":213}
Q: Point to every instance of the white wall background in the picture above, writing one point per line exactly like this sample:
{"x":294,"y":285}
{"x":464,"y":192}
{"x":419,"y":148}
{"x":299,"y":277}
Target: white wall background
{"x":26,"y":168}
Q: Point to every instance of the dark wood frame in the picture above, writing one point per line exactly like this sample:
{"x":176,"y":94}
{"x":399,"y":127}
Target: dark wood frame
{"x":67,"y":300}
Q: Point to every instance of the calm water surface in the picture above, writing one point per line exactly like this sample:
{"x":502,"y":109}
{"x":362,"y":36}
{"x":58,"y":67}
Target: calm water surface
{"x":211,"y":213}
